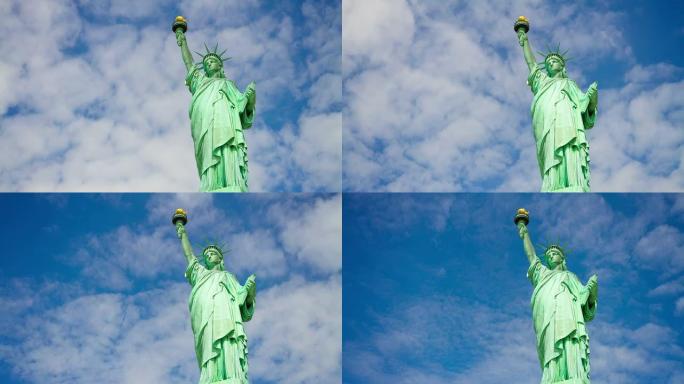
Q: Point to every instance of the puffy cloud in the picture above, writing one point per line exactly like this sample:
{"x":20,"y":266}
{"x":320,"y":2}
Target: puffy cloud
{"x":297,"y":332}
{"x":661,"y":249}
{"x":312,"y":234}
{"x":679,"y":306}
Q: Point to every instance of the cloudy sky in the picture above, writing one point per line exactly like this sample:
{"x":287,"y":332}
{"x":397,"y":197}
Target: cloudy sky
{"x":94,"y":99}
{"x":435,"y":288}
{"x":92,"y":286}
{"x":435,"y":94}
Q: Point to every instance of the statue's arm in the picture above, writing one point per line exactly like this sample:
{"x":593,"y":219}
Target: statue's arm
{"x":249,"y":298}
{"x":250,"y":94}
{"x":527,"y":243}
{"x":185,"y":243}
{"x":591,"y":291}
{"x":592,"y":94}
{"x":185,"y":51}
{"x":592,"y":288}
{"x":527,"y":50}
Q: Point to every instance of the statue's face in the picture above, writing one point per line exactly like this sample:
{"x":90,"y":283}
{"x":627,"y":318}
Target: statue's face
{"x":554,"y":257}
{"x":554,"y":65}
{"x":212,"y":257}
{"x":212,"y":65}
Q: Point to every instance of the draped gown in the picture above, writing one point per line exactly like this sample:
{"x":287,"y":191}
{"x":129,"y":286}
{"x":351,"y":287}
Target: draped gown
{"x":560,"y":309}
{"x":219,"y":114}
{"x":560,"y":118}
{"x":218,"y":309}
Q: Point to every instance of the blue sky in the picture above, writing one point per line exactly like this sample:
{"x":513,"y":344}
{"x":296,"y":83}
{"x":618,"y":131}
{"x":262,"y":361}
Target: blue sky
{"x":435,"y":94}
{"x":94,"y":97}
{"x":435,"y":288}
{"x":92,"y":286}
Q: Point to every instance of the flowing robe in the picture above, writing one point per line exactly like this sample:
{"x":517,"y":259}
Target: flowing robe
{"x":560,"y":118}
{"x":218,"y":115}
{"x":560,"y":309}
{"x":218,"y":309}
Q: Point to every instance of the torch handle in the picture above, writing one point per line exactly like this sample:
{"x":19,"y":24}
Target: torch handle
{"x":180,"y":37}
{"x":180,"y":229}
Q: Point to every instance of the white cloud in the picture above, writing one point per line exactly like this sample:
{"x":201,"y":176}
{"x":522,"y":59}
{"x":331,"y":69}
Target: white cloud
{"x":679,"y":306}
{"x":256,"y":252}
{"x":669,"y":288}
{"x":376,"y":29}
{"x":297,"y":332}
{"x":661,"y":249}
{"x":313,"y":233}
{"x":127,"y":9}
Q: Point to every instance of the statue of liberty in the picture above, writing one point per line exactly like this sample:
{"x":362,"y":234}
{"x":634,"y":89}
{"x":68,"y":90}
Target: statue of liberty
{"x":561,"y":114}
{"x":219,"y":113}
{"x":561,"y":307}
{"x":219,"y":307}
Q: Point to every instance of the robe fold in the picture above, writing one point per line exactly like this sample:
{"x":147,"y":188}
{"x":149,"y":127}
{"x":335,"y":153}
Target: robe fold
{"x":560,"y":309}
{"x":218,"y":309}
{"x":218,"y":115}
{"x":560,"y":117}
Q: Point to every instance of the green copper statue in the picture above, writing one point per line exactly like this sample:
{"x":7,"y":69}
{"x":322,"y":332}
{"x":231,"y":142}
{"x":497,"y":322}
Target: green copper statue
{"x":218,"y":115}
{"x":561,"y":307}
{"x":219,"y":306}
{"x":561,"y":113}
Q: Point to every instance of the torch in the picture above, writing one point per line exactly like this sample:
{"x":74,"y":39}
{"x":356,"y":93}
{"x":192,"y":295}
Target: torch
{"x":180,"y":218}
{"x":521,"y":23}
{"x":179,"y":27}
{"x":522,"y":217}
{"x":521,"y":26}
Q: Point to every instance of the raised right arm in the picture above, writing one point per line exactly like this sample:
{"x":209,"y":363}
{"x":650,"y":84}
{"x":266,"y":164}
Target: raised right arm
{"x":185,"y":51}
{"x":527,"y":243}
{"x":527,"y":50}
{"x":185,"y":242}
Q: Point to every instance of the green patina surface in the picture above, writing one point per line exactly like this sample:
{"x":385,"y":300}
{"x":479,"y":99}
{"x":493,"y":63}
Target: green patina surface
{"x":561,"y":308}
{"x":219,"y":114}
{"x":561,"y":114}
{"x":219,"y":307}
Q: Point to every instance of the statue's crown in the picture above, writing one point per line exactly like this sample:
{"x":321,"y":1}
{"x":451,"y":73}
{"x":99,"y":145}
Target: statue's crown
{"x":212,"y":53}
{"x":555,"y":246}
{"x":549,"y":246}
{"x":562,"y":56}
{"x":212,"y":246}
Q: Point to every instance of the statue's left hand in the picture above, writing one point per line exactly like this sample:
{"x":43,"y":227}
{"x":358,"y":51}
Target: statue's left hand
{"x":592,"y":92}
{"x":592,"y":285}
{"x":250,"y":286}
{"x":250,"y":93}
